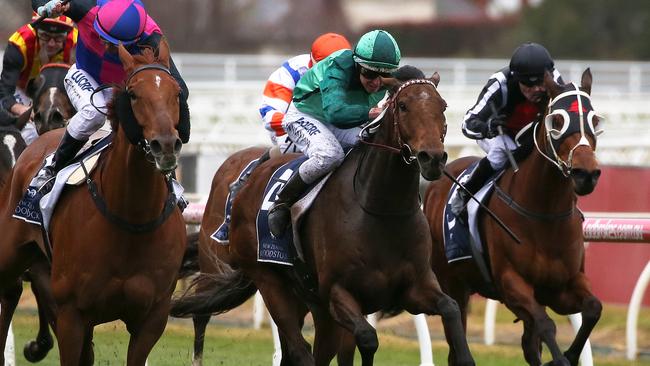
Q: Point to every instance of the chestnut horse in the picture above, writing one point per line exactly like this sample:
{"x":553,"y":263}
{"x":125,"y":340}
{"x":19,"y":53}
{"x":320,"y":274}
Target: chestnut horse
{"x":116,"y":250}
{"x":373,"y":256}
{"x":539,"y":204}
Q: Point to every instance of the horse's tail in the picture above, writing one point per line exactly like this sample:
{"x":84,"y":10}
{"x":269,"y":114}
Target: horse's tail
{"x":219,"y":293}
{"x":190,"y":264}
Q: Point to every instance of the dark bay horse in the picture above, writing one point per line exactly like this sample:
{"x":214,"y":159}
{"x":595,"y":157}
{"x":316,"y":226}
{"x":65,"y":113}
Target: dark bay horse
{"x":119,"y":259}
{"x":539,"y":204}
{"x":365,"y":240}
{"x":51,"y":105}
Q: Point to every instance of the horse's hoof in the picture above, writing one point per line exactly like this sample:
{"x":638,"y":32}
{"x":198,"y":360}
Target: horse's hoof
{"x":36,"y":351}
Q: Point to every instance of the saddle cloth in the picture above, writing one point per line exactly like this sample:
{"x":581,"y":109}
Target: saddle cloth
{"x":461,"y":235}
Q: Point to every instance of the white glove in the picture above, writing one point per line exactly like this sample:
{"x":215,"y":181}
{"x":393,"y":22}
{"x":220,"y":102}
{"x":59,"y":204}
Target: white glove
{"x":46,"y":10}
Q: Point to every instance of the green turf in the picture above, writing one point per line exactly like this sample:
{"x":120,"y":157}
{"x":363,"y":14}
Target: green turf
{"x":243,"y":346}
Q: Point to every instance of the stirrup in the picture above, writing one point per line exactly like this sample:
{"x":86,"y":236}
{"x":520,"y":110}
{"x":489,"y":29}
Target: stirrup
{"x":44,"y":176}
{"x":279,"y":219}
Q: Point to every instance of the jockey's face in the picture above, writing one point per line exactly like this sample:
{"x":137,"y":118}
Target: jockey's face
{"x":370,"y":80}
{"x":52,"y":43}
{"x":533,"y":93}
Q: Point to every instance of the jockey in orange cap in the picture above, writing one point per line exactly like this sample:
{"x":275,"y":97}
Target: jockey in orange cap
{"x":29,"y":48}
{"x":279,"y":87}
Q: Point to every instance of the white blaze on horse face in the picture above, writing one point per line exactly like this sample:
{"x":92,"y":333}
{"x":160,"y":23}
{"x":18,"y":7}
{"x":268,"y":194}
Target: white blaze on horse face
{"x":157,"y":81}
{"x":51,"y":94}
{"x":10,"y":142}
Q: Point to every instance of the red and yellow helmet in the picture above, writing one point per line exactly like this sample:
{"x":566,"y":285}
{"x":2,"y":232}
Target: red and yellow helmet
{"x":60,"y":24}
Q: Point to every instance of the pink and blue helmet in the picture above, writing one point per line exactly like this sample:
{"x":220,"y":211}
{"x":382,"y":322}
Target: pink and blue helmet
{"x":120,"y":21}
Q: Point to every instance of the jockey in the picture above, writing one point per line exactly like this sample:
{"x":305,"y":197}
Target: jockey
{"x":103,"y":25}
{"x":279,"y":87}
{"x":513,"y":97}
{"x":329,"y":104}
{"x":29,"y":48}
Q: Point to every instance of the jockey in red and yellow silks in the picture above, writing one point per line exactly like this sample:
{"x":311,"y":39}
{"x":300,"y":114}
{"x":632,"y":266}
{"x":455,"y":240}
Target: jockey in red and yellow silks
{"x":29,"y":48}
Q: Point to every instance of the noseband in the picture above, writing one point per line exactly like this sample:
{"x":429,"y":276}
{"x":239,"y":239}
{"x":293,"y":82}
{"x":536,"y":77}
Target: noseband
{"x":403,"y":148}
{"x":565,"y":166}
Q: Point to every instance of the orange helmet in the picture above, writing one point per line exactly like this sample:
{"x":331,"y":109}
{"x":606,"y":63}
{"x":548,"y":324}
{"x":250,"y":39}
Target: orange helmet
{"x":60,"y":24}
{"x":326,"y":44}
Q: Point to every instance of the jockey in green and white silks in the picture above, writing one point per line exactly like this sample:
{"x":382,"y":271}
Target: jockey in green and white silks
{"x":329,"y":104}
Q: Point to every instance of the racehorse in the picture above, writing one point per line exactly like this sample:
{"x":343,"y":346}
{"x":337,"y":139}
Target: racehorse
{"x":373,"y":256}
{"x":539,"y":204}
{"x":51,"y":105}
{"x":52,"y":109}
{"x":116,"y":251}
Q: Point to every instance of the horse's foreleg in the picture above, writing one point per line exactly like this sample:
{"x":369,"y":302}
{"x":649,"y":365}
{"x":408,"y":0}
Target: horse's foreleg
{"x":347,"y":346}
{"x":70,"y":328}
{"x":519,"y":297}
{"x":288,"y":312}
{"x":327,"y":338}
{"x":8,"y":301}
{"x":37,"y":349}
{"x":347,"y":312}
{"x":200,"y":323}
{"x":428,"y":298}
{"x":578,"y":298}
{"x":145,"y":333}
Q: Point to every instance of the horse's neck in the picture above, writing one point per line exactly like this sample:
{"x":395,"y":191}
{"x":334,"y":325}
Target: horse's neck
{"x":383,"y":182}
{"x":130,"y":184}
{"x":539,"y":185}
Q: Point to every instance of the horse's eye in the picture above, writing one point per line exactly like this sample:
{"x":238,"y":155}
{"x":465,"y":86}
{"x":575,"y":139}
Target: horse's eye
{"x":402,"y":106}
{"x":131,"y":95}
{"x":558,"y":122}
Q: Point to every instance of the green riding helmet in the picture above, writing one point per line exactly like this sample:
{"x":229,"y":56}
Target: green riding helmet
{"x":377,"y":51}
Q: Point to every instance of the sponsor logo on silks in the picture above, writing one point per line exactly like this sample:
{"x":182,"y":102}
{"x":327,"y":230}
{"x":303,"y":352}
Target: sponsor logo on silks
{"x":81,"y":80}
{"x":309,"y":127}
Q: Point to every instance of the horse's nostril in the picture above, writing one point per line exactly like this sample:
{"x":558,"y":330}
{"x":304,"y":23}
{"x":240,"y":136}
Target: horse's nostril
{"x":156,"y":147}
{"x":423,"y":157}
{"x":596,"y":174}
{"x":178,"y":145}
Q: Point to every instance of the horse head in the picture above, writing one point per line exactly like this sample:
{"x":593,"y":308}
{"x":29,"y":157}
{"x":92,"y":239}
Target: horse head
{"x":52,"y":107}
{"x":418,"y":123}
{"x":148,"y":109}
{"x":571,"y":131}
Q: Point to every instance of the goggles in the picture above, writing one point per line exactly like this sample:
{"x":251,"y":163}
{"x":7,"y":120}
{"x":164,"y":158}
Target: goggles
{"x":372,"y":75}
{"x":47,"y":36}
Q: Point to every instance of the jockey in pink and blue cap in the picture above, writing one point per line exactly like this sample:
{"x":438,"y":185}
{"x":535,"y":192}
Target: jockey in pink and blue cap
{"x":103,"y":25}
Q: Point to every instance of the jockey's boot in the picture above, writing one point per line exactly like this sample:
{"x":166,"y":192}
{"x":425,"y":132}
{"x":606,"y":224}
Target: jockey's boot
{"x":280,"y":212}
{"x":68,"y":148}
{"x":235,"y":186}
{"x":478,"y":178}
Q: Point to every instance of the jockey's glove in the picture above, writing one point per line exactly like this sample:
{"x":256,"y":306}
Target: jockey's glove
{"x":47,"y":9}
{"x":493,"y":125}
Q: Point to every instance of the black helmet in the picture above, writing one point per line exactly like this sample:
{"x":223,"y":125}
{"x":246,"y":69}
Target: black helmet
{"x":529,"y":62}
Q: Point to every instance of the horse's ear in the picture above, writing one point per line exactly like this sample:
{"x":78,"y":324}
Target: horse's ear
{"x":163,"y":53}
{"x":435,"y":78}
{"x":586,"y":81}
{"x":127,"y":60}
{"x":23,"y":119}
{"x":33,"y":86}
{"x":552,"y":87}
{"x":390,"y":83}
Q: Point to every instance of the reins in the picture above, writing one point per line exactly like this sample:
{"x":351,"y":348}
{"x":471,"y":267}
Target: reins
{"x":403,"y":148}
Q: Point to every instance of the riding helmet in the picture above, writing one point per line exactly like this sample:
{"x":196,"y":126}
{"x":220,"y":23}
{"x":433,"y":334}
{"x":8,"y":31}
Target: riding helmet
{"x":60,"y":24}
{"x":327,"y":44}
{"x":377,"y":51}
{"x":529,"y":62}
{"x":120,"y":21}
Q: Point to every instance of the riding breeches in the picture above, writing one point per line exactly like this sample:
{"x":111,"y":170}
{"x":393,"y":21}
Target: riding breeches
{"x":324,"y":144}
{"x":284,"y":143}
{"x":80,"y":86}
{"x":496,"y":149}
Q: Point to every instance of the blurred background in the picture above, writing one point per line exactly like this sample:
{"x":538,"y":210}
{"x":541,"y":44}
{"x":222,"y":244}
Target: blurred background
{"x":226,"y":50}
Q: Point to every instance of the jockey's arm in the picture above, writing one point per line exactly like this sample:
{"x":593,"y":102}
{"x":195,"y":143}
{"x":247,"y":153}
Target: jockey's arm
{"x":12,"y":64}
{"x":76,"y":11}
{"x":334,"y":88}
{"x":475,"y":123}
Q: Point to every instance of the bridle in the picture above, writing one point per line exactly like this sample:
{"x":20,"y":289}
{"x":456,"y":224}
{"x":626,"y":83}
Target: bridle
{"x":554,"y":137}
{"x":404,"y":149}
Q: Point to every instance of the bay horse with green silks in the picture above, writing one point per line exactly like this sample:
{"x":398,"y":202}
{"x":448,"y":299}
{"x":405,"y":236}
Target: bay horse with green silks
{"x":366,"y":242}
{"x":539,"y":204}
{"x":118,"y":260}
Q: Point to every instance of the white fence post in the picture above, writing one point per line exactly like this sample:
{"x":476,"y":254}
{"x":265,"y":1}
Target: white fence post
{"x":10,"y":354}
{"x":586,"y":358}
{"x":424,"y":339}
{"x":633,"y":311}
